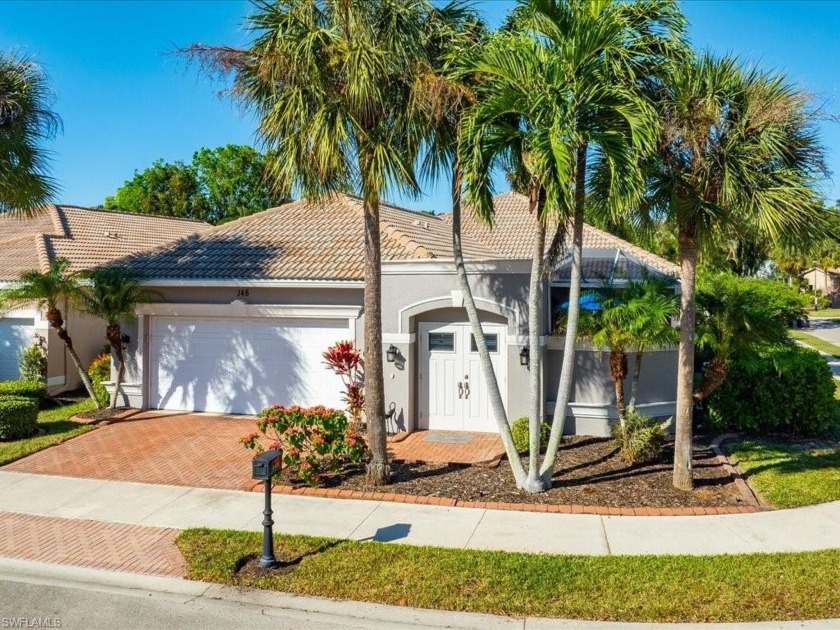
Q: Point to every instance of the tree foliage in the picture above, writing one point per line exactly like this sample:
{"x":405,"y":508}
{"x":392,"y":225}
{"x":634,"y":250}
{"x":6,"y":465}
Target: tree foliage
{"x":219,"y":184}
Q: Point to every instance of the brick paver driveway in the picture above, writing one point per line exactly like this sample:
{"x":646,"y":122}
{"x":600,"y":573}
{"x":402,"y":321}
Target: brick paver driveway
{"x":196,"y":450}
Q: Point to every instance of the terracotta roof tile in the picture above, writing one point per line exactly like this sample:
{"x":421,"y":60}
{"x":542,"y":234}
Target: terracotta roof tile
{"x":86,"y":237}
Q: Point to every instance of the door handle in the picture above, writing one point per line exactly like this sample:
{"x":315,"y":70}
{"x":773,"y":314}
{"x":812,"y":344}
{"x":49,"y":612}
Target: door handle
{"x":466,"y":390}
{"x":460,"y":389}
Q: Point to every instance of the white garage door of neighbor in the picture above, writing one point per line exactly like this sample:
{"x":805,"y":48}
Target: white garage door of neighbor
{"x":243,"y":365}
{"x":16,"y":335}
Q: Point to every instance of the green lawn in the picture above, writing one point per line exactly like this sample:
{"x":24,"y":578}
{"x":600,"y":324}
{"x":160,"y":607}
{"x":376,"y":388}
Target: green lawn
{"x":789,"y":475}
{"x":756,"y":587}
{"x":816,"y":342}
{"x":827,"y":313}
{"x":58,"y":427}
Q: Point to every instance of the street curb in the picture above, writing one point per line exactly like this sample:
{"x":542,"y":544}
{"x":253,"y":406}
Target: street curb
{"x":327,"y":610}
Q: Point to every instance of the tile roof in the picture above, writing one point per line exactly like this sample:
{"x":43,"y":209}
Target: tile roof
{"x":511,"y":234}
{"x":86,"y":237}
{"x":302,"y":240}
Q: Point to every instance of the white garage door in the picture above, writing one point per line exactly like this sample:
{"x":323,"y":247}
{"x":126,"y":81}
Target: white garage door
{"x":242,"y":365}
{"x":16,"y":335}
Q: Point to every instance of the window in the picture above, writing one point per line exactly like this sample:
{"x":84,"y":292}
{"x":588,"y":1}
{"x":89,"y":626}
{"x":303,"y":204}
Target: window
{"x":491,"y":340}
{"x":442,"y":342}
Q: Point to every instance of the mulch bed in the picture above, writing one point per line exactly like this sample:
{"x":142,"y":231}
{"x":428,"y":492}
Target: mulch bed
{"x":91,"y":417}
{"x":589,"y":471}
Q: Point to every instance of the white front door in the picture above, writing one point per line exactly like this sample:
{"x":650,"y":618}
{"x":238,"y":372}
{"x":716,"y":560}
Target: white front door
{"x":453,"y":394}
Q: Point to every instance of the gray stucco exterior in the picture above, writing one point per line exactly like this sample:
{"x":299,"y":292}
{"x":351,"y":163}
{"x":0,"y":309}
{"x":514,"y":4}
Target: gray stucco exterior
{"x":413,"y":294}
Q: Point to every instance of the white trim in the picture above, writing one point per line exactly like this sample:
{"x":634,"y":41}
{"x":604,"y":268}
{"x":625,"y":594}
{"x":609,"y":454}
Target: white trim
{"x":438,"y":266}
{"x":55,"y":381}
{"x":457,"y":298}
{"x":237,"y":308}
{"x":399,"y":338}
{"x":38,"y":322}
{"x":524,"y":340}
{"x":607,"y":410}
{"x":558,"y":342}
{"x":511,"y":314}
{"x":270,"y":284}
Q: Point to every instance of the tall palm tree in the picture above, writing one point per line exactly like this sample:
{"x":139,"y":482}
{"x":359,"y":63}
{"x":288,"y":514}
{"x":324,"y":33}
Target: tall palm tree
{"x":26,"y":120}
{"x":49,"y":291}
{"x":330,"y":82}
{"x":113,"y":295}
{"x":560,"y":83}
{"x":738,"y":153}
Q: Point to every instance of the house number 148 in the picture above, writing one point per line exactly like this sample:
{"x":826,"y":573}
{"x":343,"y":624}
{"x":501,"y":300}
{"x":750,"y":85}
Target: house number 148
{"x":242,"y":293}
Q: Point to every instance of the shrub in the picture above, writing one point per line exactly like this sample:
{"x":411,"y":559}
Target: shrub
{"x":522,"y":434}
{"x":33,"y":390}
{"x":641,"y":439}
{"x":99,"y":371}
{"x":788,"y":390}
{"x":18,"y":417}
{"x":33,"y":362}
{"x":315,"y":441}
{"x":345,"y":360}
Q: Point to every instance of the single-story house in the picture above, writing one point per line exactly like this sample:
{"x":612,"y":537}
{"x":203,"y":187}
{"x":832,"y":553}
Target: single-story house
{"x":827,"y":281}
{"x":249,"y":306}
{"x":87,"y":238}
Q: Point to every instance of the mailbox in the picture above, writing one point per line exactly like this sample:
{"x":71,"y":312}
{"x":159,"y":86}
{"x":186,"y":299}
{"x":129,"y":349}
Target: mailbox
{"x":266,"y":465}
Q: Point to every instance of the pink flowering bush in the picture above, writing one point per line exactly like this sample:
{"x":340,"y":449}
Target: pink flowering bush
{"x":315,"y":440}
{"x":345,"y":360}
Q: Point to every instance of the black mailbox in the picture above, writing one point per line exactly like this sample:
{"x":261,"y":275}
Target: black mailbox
{"x":266,"y":465}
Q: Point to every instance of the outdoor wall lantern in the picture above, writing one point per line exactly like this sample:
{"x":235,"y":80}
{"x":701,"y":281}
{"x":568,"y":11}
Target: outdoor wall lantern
{"x":125,"y":339}
{"x":524,"y":356}
{"x":263,"y":468}
{"x":392,"y":353}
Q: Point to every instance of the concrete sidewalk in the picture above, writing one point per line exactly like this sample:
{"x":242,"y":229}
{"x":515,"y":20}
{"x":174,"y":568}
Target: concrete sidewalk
{"x":802,"y":529}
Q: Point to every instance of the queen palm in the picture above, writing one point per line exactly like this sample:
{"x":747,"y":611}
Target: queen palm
{"x":330,"y":82}
{"x":560,"y":83}
{"x":50,"y":291}
{"x":26,"y":120}
{"x":113,"y":295}
{"x":738,"y":153}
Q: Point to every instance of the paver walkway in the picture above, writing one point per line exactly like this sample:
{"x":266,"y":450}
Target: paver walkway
{"x":802,"y":529}
{"x":98,"y":545}
{"x":455,"y":447}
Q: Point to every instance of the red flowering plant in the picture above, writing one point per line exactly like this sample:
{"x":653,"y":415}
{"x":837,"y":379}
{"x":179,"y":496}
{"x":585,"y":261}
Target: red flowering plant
{"x":315,"y":441}
{"x":345,"y":360}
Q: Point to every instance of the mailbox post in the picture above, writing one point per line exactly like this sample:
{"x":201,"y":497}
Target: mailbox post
{"x":264,"y":467}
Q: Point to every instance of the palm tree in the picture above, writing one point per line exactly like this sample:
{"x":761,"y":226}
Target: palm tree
{"x":48,"y":290}
{"x":113,"y":295}
{"x":561,"y":83}
{"x":738,"y":153}
{"x":25,"y":121}
{"x":330,"y":83}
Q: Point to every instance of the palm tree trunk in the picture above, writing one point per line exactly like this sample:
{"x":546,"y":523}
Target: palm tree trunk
{"x":57,"y":322}
{"x":114,"y":336}
{"x":714,"y":377}
{"x":493,"y":392}
{"x":683,"y":440}
{"x":618,"y":372}
{"x":634,"y":384}
{"x":378,"y":471}
{"x":535,"y":301}
{"x":564,"y":387}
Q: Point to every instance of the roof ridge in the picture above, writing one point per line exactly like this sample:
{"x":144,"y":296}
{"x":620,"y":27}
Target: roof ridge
{"x":42,"y":250}
{"x":624,"y":244}
{"x":129,"y":214}
{"x":58,"y":224}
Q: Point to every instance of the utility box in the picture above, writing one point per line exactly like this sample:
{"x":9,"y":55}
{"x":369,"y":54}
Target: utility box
{"x":266,"y":465}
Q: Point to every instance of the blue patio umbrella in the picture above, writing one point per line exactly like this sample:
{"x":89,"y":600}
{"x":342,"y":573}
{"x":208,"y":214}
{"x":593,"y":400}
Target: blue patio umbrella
{"x":588,"y":302}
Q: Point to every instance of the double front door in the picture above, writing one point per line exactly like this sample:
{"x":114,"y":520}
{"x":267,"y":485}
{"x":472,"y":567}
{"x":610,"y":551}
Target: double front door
{"x":453,"y":393}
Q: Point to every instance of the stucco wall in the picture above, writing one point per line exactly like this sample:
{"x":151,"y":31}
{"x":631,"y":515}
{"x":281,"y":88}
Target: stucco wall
{"x":88,"y":335}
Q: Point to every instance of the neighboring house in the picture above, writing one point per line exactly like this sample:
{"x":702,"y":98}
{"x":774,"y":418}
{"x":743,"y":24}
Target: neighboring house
{"x":250,"y":306}
{"x":87,"y":238}
{"x":827,"y":281}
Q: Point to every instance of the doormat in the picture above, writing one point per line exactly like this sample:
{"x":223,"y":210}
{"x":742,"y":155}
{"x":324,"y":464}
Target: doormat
{"x":449,"y":438}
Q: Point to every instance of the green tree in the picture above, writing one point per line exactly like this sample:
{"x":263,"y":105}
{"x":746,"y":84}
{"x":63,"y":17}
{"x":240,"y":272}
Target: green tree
{"x":50,"y":291}
{"x":331,"y":86}
{"x":233,"y":181}
{"x":163,"y":189}
{"x":26,"y":121}
{"x":113,"y":294}
{"x":559,"y":84}
{"x":738,"y":153}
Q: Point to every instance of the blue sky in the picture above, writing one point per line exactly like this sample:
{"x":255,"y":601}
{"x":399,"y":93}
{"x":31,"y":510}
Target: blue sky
{"x":126,"y":100}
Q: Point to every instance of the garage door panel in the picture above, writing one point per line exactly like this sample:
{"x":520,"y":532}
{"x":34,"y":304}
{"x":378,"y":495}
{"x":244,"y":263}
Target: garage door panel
{"x":242,"y":366}
{"x":16,"y":335}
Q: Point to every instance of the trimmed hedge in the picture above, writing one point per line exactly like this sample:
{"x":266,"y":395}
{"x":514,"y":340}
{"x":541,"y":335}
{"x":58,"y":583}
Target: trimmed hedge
{"x":520,"y":431}
{"x":790,"y":390}
{"x":18,"y":417}
{"x":99,"y":371}
{"x":25,"y":389}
